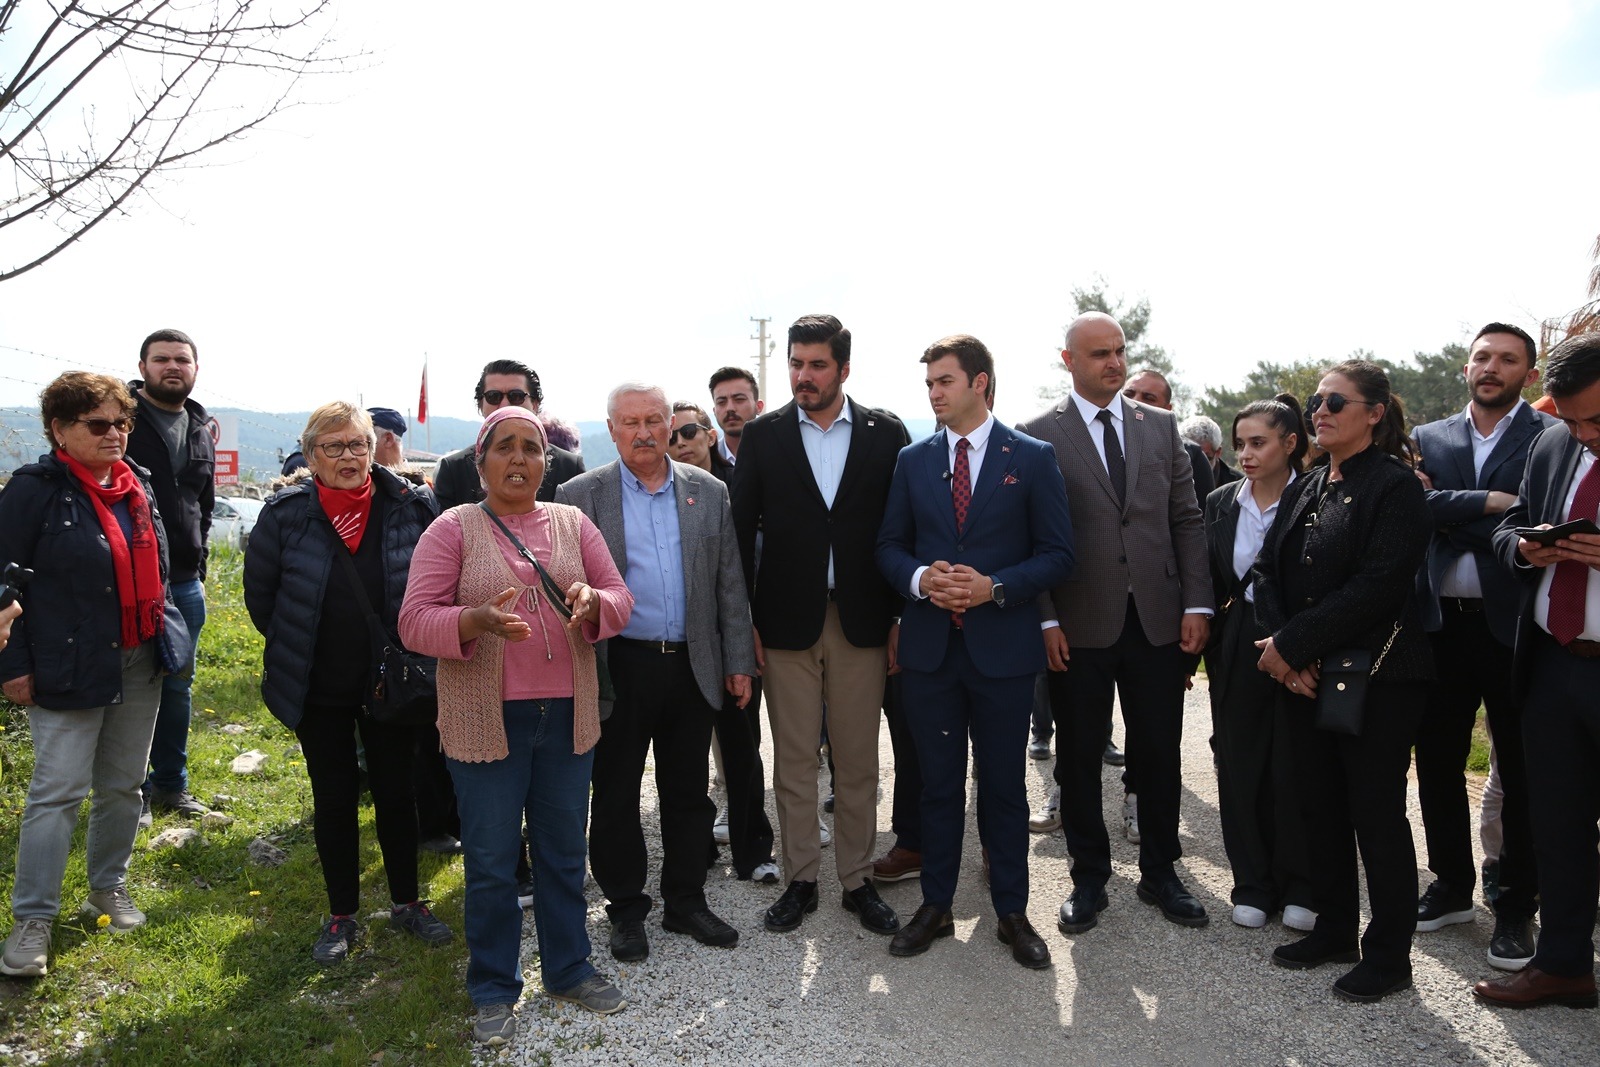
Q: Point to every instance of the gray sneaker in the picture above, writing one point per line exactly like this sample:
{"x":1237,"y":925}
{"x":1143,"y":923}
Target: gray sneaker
{"x":417,"y":920}
{"x":338,"y":936}
{"x":595,"y":993}
{"x":182,"y":802}
{"x":27,"y":953}
{"x":494,"y":1025}
{"x":116,"y":904}
{"x":146,"y":820}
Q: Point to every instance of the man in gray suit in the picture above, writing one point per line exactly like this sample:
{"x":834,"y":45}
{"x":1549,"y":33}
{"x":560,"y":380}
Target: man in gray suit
{"x":671,"y":533}
{"x":1139,"y":600}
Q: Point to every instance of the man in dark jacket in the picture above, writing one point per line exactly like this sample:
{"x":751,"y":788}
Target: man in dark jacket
{"x":503,"y":381}
{"x":172,"y":439}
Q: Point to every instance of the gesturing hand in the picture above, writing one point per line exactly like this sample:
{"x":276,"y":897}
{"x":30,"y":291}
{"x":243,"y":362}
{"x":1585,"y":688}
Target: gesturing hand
{"x":585,"y":605}
{"x":490,"y":617}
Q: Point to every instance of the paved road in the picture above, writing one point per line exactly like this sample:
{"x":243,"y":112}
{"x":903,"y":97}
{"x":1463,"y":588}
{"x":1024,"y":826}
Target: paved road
{"x":1136,"y":990}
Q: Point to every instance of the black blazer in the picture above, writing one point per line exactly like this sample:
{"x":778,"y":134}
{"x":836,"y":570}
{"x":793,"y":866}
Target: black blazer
{"x":1356,"y":575}
{"x":1552,"y":463}
{"x":1222,"y":525}
{"x":1456,"y":504}
{"x":775,"y":492}
{"x":456,"y":480}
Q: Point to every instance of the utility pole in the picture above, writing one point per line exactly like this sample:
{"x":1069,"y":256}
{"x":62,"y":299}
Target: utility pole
{"x":764,"y":349}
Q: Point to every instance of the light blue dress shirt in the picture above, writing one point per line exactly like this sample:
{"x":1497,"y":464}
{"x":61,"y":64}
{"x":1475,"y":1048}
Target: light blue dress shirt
{"x":654,"y":574}
{"x":827,"y":450}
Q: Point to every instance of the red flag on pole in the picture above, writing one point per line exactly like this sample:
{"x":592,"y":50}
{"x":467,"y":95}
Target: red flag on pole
{"x":422,"y":401}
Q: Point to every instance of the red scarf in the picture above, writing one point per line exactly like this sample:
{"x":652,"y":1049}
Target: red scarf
{"x":137,"y":564}
{"x":348,"y":510}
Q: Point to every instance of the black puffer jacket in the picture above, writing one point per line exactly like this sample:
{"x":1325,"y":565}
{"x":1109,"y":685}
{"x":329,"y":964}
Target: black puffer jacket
{"x":70,"y":631}
{"x":185,"y":499}
{"x":1355,"y":573}
{"x":286,"y":572}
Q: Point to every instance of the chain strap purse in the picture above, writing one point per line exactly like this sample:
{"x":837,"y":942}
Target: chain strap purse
{"x":1342,"y":686}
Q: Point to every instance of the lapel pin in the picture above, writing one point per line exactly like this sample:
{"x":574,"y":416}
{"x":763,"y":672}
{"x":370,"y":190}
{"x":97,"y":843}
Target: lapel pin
{"x":1139,"y":415}
{"x":1005,"y":448}
{"x":872,"y":422}
{"x":690,"y":500}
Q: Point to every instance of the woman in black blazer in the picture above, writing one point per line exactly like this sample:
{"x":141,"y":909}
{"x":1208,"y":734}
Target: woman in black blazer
{"x":1261,"y":825}
{"x":1337,"y":573}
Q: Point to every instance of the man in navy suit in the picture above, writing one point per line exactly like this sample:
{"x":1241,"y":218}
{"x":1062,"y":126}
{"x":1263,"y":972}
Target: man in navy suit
{"x":977,"y":526}
{"x":1472,"y":466}
{"x":1557,"y":674}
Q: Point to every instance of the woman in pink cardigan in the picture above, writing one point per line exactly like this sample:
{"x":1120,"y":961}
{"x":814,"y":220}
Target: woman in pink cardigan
{"x":518,"y":709}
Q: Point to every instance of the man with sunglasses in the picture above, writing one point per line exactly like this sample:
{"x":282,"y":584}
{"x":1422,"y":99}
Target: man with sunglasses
{"x":171,"y":438}
{"x":693,"y":441}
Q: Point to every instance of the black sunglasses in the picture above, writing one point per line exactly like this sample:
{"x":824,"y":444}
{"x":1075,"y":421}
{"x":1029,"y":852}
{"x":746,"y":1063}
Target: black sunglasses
{"x":1335,"y":402}
{"x":689,"y":431}
{"x":516,"y":396}
{"x":101,"y":427}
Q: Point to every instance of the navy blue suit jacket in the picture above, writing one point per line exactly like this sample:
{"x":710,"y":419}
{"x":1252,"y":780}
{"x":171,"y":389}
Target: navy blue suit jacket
{"x":1018,"y":532}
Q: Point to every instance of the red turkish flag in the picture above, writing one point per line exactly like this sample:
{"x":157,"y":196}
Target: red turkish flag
{"x":422,"y":401}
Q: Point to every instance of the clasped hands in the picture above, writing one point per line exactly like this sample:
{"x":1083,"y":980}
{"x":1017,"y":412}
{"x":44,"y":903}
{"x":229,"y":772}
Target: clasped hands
{"x":1301,"y":683}
{"x":955,"y":587}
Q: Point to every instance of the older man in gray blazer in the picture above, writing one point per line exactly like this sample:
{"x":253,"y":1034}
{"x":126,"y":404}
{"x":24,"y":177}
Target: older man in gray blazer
{"x":671,"y":533}
{"x":1139,"y":599}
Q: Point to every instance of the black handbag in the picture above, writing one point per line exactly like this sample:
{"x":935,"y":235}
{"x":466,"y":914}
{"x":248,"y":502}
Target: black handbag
{"x":1342,"y":687}
{"x":401,"y":686}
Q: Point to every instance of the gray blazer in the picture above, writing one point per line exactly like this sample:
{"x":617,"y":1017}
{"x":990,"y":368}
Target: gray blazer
{"x":1154,"y":544}
{"x":716,"y":612}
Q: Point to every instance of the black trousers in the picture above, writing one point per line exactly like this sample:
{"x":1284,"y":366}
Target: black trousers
{"x":1474,"y":669}
{"x":1149,"y":679}
{"x":327,"y":735}
{"x":1562,"y":730}
{"x":436,"y":793}
{"x":659,"y":704}
{"x":1262,"y":829}
{"x":905,"y":813}
{"x":739,"y":733}
{"x":1353,"y":794}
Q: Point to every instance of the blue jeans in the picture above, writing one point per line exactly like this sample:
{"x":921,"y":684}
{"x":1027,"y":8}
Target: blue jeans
{"x":169,"y":750}
{"x":543,"y":780}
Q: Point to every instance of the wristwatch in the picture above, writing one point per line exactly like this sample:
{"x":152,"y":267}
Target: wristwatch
{"x":998,"y":594}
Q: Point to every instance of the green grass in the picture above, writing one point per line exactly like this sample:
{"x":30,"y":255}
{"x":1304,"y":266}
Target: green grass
{"x":222,"y":972}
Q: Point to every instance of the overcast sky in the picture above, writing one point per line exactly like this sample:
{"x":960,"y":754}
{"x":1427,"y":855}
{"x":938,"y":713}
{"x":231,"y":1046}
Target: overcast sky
{"x":611,"y":191}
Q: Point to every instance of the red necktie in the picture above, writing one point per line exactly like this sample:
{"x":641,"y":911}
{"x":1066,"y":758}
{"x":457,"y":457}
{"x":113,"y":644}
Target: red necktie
{"x":1570,"y":585}
{"x":961,"y":497}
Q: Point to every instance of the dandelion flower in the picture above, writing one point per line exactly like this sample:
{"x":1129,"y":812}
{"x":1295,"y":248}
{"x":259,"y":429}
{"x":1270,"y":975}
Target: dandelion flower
{"x":255,"y":892}
{"x":103,"y":922}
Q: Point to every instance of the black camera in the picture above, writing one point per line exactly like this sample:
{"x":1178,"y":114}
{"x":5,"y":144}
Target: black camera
{"x":12,"y":579}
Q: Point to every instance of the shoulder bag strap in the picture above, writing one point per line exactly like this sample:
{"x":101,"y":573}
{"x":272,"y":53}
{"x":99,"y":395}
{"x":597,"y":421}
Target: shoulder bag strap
{"x":547,"y":584}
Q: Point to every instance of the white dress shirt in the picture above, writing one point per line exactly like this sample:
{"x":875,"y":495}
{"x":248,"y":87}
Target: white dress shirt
{"x":1461,"y":580}
{"x":826,"y":451}
{"x":1591,"y":603}
{"x":1251,"y":532}
{"x":1097,"y":430}
{"x":977,"y":448}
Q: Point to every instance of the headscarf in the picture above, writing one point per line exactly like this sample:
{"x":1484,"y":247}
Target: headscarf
{"x":499,"y":415}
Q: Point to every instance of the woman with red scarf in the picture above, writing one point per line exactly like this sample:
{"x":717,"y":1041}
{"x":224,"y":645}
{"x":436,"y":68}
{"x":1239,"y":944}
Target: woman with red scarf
{"x":318,"y":655}
{"x":87,"y":656}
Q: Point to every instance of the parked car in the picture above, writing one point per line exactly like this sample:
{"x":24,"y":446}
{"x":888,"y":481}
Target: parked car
{"x":232,"y":519}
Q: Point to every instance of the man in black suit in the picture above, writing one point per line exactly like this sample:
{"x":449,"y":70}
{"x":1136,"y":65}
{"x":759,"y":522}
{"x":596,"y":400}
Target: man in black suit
{"x":813,"y":477}
{"x":503,"y":381}
{"x":1472,"y":466}
{"x":1557,"y":674}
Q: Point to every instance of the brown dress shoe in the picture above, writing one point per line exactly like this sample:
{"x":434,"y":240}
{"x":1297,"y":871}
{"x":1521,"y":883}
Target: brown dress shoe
{"x":1027,"y":947}
{"x":1531,"y":987}
{"x":927,"y":925}
{"x":897,"y":865}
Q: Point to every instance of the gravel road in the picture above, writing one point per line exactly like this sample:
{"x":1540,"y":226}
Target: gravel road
{"x":1135,"y":990}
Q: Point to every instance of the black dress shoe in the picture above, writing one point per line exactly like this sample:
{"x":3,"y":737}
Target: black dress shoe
{"x":1175,"y":902}
{"x":926,"y":925}
{"x":1314,"y":950}
{"x":1112,"y":756}
{"x":1081,"y":911}
{"x":1368,"y":982}
{"x":628,"y":940}
{"x":701,"y":924}
{"x":1027,"y":947}
{"x":876,"y":915}
{"x":791,"y":908}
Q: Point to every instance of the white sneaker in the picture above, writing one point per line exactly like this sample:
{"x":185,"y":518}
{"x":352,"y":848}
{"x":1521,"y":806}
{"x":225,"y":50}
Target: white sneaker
{"x":765,"y":874}
{"x":1248,"y":917}
{"x":1048,"y":817}
{"x":27,"y":952}
{"x":1297,"y":918}
{"x":117,"y":905}
{"x":1130,"y":817}
{"x":719,"y":828}
{"x":827,"y":834}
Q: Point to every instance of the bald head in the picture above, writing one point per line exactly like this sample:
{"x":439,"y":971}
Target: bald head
{"x":1076,"y":328}
{"x":1096,"y":356}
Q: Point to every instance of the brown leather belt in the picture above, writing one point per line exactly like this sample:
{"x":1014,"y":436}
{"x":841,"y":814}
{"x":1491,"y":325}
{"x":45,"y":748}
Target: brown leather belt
{"x":1583,"y":649}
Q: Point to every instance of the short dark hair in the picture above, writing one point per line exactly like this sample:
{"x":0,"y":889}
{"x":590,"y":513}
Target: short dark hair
{"x":1515,"y":331}
{"x":77,"y":393}
{"x":820,"y":329}
{"x":510,"y":366}
{"x":700,"y":413}
{"x":732,"y":374}
{"x":1573,"y":365}
{"x":970,"y":352}
{"x":1162,"y":378}
{"x":176,"y":336}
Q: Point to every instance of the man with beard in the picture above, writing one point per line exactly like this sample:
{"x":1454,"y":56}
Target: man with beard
{"x":172,"y":439}
{"x":737,"y":400}
{"x":1472,"y":466}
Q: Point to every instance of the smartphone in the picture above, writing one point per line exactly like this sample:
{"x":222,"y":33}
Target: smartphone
{"x":1556,"y":533}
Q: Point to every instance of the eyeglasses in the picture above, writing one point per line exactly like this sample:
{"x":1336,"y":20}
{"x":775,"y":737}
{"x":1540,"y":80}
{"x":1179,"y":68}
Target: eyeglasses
{"x":1335,"y":402}
{"x":689,"y":431}
{"x":335,"y":449}
{"x":516,"y":396}
{"x":101,"y":427}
